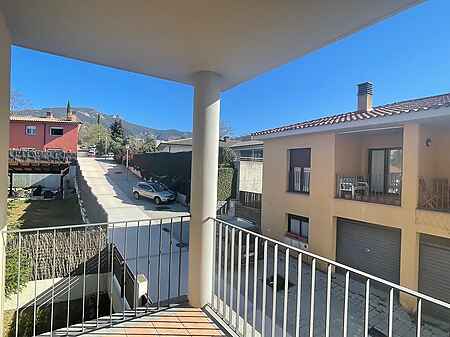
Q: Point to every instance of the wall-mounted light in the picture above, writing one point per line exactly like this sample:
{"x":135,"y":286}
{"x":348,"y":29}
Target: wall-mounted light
{"x":428,"y":142}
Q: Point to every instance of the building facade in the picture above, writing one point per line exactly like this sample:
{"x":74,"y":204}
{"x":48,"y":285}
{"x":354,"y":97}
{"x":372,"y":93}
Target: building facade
{"x":369,"y":189}
{"x":44,"y":133}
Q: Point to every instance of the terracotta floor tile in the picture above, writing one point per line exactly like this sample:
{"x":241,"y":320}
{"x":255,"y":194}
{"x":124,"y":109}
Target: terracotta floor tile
{"x":140,"y":330}
{"x":205,"y":332}
{"x":190,"y":319}
{"x":172,"y":332}
{"x":199,"y":325}
{"x":168,"y":325}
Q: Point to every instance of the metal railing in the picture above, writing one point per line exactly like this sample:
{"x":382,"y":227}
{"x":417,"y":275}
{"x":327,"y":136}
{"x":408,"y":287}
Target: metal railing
{"x":69,"y":280}
{"x":434,"y":194}
{"x":263,"y":287}
{"x":382,"y":189}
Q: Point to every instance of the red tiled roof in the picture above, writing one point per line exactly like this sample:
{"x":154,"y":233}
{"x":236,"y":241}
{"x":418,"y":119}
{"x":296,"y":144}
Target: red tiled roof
{"x":42,"y":119}
{"x":383,"y":111}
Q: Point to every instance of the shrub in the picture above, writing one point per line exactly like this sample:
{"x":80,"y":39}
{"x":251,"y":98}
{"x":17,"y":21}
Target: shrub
{"x":225,"y":183}
{"x":12,"y":283}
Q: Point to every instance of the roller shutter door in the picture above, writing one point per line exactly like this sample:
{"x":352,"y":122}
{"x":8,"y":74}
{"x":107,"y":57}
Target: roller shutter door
{"x":371,"y":248}
{"x":434,"y":273}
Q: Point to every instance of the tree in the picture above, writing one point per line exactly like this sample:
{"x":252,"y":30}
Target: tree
{"x":93,"y":134}
{"x":227,"y":157}
{"x":149,"y":145}
{"x":117,"y":132}
{"x":118,"y":141}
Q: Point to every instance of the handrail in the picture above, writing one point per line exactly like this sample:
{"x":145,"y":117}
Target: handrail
{"x":340,"y":265}
{"x":71,"y":259}
{"x":97,"y":224}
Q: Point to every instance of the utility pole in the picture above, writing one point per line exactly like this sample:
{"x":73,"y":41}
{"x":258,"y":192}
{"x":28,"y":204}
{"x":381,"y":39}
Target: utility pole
{"x":127,"y":147}
{"x":106,"y":146}
{"x":98,"y":128}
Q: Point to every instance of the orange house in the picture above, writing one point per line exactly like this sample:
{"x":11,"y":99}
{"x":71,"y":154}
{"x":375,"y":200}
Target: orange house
{"x":44,"y":133}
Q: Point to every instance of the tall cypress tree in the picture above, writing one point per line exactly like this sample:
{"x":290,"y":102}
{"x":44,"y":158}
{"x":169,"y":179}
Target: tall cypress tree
{"x":117,"y":130}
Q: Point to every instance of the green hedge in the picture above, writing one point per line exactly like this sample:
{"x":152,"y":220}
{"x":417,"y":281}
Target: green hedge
{"x":174,"y":170}
{"x":225,"y":183}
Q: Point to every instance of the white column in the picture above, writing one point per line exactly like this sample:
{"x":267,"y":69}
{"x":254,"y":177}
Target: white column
{"x":5,"y":69}
{"x":205,"y":156}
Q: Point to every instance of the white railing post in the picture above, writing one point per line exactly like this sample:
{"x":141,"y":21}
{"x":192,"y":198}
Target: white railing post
{"x":205,"y":155}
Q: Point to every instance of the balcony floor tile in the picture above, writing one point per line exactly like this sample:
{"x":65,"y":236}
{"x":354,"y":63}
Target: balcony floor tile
{"x":173,"y":322}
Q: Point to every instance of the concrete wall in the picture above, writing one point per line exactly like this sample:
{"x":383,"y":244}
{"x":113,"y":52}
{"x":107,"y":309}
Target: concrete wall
{"x":331,"y":154}
{"x":435,"y":158}
{"x":317,"y":206}
{"x":21,"y":180}
{"x":5,"y":71}
{"x":250,"y":176}
{"x":352,"y":150}
{"x":43,"y":139}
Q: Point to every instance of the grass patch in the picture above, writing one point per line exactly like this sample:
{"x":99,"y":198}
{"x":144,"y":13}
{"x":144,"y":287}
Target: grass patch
{"x":42,"y":213}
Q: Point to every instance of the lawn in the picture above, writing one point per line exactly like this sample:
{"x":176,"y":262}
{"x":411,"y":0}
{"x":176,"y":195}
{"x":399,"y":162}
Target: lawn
{"x":43,"y":213}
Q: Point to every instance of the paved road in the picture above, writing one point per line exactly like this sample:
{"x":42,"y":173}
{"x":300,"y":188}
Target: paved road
{"x":148,"y":252}
{"x":112,"y":185}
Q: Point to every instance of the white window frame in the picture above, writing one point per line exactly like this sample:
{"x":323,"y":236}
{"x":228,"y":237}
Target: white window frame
{"x":56,"y":128}
{"x":31,"y":127}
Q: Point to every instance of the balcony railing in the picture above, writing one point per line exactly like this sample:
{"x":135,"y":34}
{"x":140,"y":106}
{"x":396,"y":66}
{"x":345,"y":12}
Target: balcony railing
{"x":79,"y":278}
{"x":73,"y":279}
{"x":382,"y":189}
{"x":263,"y":287}
{"x":434,"y":194}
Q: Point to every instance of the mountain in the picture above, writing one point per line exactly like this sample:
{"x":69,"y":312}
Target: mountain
{"x":89,"y":116}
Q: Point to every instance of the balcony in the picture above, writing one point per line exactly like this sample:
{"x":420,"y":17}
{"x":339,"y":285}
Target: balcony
{"x":434,"y":194}
{"x":130,"y":278}
{"x":369,"y":166}
{"x":375,"y":189}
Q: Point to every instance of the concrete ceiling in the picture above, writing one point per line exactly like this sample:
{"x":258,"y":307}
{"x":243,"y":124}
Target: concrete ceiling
{"x":172,"y":39}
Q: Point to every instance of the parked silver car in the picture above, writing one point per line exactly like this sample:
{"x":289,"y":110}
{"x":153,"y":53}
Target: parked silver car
{"x":153,"y":191}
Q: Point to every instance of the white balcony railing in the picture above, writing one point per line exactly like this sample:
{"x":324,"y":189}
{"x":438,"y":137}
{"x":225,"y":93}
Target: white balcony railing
{"x":73,"y":279}
{"x":382,"y":189}
{"x":263,"y":287}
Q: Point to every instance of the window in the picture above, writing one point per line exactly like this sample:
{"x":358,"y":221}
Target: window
{"x":253,"y":154}
{"x":299,"y":170}
{"x":30,"y":130}
{"x":298,"y":227}
{"x":56,"y":131}
{"x":385,"y":170}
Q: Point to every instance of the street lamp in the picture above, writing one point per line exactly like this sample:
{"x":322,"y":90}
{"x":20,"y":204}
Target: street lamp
{"x":127,"y":147}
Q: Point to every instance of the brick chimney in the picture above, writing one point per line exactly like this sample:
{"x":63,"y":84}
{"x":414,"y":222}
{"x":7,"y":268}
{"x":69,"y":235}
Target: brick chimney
{"x":365,"y":92}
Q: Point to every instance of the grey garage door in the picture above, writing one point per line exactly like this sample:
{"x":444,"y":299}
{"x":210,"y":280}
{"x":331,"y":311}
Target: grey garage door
{"x":434,"y":272}
{"x":371,"y":248}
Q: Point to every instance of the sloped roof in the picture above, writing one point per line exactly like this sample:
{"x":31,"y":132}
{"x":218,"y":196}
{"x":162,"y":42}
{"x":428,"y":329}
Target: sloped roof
{"x":247,"y":143}
{"x":43,"y":119}
{"x":181,"y":141}
{"x":384,"y":111}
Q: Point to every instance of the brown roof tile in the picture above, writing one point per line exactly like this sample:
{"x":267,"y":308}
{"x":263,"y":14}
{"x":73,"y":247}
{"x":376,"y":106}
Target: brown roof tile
{"x":42,"y":119}
{"x":388,"y":110}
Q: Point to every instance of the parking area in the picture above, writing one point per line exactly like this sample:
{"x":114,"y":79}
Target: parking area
{"x":112,"y":184}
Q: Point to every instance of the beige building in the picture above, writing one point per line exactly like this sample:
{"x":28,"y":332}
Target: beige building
{"x":369,"y":188}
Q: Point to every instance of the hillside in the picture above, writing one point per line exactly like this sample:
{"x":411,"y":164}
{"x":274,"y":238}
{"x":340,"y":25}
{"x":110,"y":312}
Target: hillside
{"x":89,"y":116}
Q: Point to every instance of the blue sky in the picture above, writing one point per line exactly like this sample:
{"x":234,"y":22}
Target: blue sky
{"x":405,"y":56}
